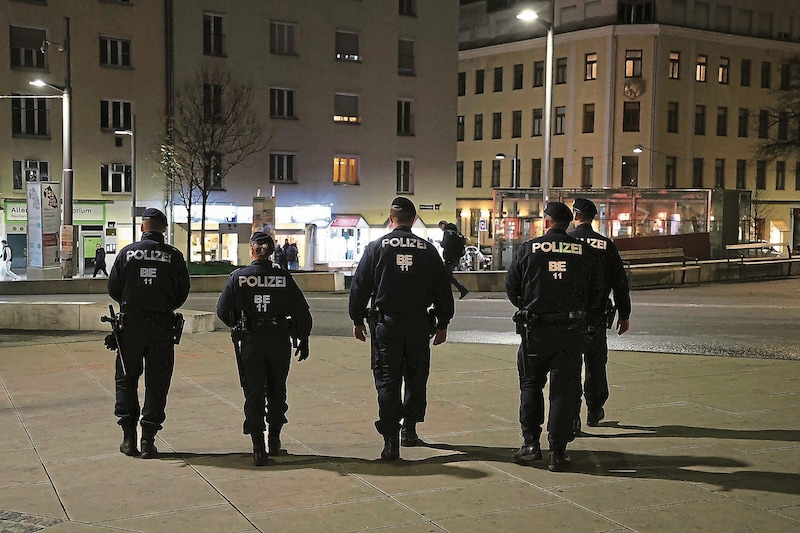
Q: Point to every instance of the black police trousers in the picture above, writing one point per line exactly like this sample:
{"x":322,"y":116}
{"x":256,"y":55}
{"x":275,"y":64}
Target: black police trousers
{"x":147,"y":347}
{"x":595,"y":379}
{"x":401,"y":359}
{"x":556,"y":351}
{"x":265,"y":361}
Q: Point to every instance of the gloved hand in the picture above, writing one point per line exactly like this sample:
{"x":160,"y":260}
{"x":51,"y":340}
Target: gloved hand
{"x":302,"y":350}
{"x":111,"y":342}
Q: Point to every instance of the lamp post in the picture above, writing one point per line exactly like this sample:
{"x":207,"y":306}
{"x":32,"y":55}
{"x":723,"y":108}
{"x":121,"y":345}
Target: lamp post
{"x":132,"y":133}
{"x":514,"y":170}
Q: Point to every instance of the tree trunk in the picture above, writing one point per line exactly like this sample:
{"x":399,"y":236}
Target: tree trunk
{"x":189,"y":230}
{"x":204,"y":198}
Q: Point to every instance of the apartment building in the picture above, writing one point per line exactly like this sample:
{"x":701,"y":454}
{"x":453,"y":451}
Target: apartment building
{"x":356,"y":99}
{"x":661,"y":95}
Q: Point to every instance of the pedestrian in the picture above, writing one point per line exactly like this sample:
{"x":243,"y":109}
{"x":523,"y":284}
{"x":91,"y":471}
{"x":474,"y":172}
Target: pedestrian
{"x":290,"y":249}
{"x":265,"y":307}
{"x":595,"y":355}
{"x":412,"y":303}
{"x":552,"y":281}
{"x":453,"y":249}
{"x":5,"y":263}
{"x":280,"y":257}
{"x":99,"y":261}
{"x":150,"y":281}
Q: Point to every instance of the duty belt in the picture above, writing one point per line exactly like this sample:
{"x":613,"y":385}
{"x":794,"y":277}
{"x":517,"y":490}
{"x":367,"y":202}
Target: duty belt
{"x":257,"y":325}
{"x":564,"y":317}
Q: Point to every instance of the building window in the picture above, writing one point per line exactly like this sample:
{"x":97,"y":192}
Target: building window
{"x":408,"y":8}
{"x":783,"y":125}
{"x":115,"y":52}
{"x":780,"y":175}
{"x":347,"y":46}
{"x":115,"y":178}
{"x":480,"y":75}
{"x":763,"y":124}
{"x":537,"y":122}
{"x":633,"y":63}
{"x":672,"y":117}
{"x":345,"y":108}
{"x":699,"y":120}
{"x":719,"y":173}
{"x":671,"y":172}
{"x":561,"y":120}
{"x":516,"y":124}
{"x":345,"y":170}
{"x":29,"y":116}
{"x":786,"y":77}
{"x":744,"y":119}
{"x":630,"y":171}
{"x":460,"y":128}
{"x":538,"y":74}
{"x":724,"y":70}
{"x":722,"y":122}
{"x":536,"y":172}
{"x":28,"y":170}
{"x":115,"y":114}
{"x":478,"y":127}
{"x":631,"y":113}
{"x":561,"y":70}
{"x":281,"y":103}
{"x":26,"y":44}
{"x":761,"y":174}
{"x":797,"y":176}
{"x":697,"y":173}
{"x":459,"y":174}
{"x":477,"y":168}
{"x":405,"y":57}
{"x":741,"y":173}
{"x":766,"y":74}
{"x":674,"y":65}
{"x":700,"y":69}
{"x":590,"y":72}
{"x":462,"y":83}
{"x":405,"y":176}
{"x":587,"y":171}
{"x":213,"y":38}
{"x":518,"y":76}
{"x":497,"y":125}
{"x":496,"y":172}
{"x":212,"y":102}
{"x":588,"y":118}
{"x":498,"y":79}
{"x":281,"y":167}
{"x":405,"y":117}
{"x":282,"y":38}
{"x":558,"y":172}
{"x":745,"y":74}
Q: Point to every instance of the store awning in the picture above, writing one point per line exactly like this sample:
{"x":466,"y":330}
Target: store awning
{"x":348,"y":221}
{"x":780,"y":225}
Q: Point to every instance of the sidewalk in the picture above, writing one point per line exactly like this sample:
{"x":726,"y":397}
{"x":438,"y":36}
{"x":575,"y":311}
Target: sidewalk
{"x":689,"y":443}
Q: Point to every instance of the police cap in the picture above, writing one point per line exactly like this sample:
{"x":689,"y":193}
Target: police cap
{"x":154,"y":214}
{"x":558,"y":211}
{"x":404,"y":204}
{"x":259,"y":238}
{"x":585,"y":206}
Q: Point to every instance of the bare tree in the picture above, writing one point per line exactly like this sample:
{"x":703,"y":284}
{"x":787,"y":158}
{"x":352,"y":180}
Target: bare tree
{"x":784,"y":116}
{"x":760,"y":210}
{"x":215,"y":128}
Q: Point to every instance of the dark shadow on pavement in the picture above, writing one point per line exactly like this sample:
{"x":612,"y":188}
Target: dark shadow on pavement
{"x":781,"y":435}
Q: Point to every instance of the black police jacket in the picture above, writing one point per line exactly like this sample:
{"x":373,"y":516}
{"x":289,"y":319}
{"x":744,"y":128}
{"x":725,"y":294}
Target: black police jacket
{"x":149,"y":276}
{"x":451,"y":247}
{"x":402,"y":273}
{"x":555,"y":273}
{"x":612,"y":269}
{"x":263,"y":291}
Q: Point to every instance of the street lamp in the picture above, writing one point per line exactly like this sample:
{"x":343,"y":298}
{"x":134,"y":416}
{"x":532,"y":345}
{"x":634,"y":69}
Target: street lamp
{"x":514,"y":170}
{"x":132,"y":133}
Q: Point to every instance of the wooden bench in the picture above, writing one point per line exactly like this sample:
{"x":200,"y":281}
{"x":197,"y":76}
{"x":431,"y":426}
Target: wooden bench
{"x":664,"y":258}
{"x":741,"y":251}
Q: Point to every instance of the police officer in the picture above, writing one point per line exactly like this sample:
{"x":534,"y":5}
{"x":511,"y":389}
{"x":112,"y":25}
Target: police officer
{"x":551,"y":280}
{"x":595,"y":355}
{"x":404,"y":276}
{"x":264,"y":303}
{"x":150,"y":281}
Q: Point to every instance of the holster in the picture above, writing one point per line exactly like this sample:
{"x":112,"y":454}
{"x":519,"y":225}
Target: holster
{"x":611,"y":311}
{"x":432,"y":322}
{"x":177,"y":328}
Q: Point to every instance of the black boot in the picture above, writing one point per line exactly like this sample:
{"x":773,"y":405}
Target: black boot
{"x":527,"y":454}
{"x":391,"y":447}
{"x":559,"y":461}
{"x":149,"y":450}
{"x":576,"y":425}
{"x":260,"y":457}
{"x":594,"y":416}
{"x":274,"y":440}
{"x":408,"y":434}
{"x":128,"y":446}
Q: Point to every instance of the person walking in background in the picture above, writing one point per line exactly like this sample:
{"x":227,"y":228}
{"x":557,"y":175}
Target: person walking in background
{"x":453,"y":249}
{"x":99,"y":261}
{"x":404,"y":277}
{"x":290,"y":249}
{"x":5,"y":263}
{"x":280,"y":257}
{"x":264,"y":305}
{"x":595,"y":355}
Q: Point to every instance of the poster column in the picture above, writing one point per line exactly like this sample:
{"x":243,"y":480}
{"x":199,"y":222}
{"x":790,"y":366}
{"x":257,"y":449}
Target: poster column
{"x":44,"y":223}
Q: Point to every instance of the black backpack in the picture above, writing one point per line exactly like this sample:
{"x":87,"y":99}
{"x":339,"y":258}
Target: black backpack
{"x":461,"y":243}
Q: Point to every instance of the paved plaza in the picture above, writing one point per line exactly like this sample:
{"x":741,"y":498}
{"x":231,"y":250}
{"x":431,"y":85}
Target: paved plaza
{"x":689,"y":443}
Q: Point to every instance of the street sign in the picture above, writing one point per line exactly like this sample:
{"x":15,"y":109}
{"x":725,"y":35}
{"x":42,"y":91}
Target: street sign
{"x":483,"y":225}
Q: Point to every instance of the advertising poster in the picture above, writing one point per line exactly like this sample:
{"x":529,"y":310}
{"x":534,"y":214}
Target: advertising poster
{"x":264,"y":214}
{"x":44,"y":223}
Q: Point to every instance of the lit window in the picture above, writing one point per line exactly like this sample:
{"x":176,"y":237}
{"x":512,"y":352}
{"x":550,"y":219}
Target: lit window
{"x":347,"y":46}
{"x":345,"y":170}
{"x":591,"y":67}
{"x":346,"y":108}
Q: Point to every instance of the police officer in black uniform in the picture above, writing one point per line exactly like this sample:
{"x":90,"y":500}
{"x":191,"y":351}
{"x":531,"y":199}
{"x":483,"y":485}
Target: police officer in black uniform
{"x":552,"y":281}
{"x":595,"y":355}
{"x":150,"y":281}
{"x":266,"y":306}
{"x":405,"y":277}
